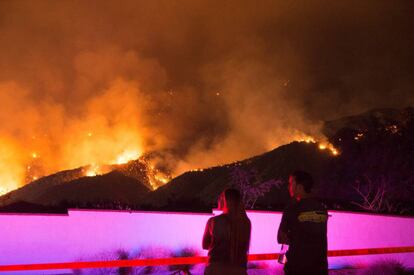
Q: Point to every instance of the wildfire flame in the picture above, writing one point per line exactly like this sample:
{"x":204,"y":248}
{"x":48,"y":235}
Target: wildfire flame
{"x":156,"y":178}
{"x":93,"y":170}
{"x":322,"y":145}
{"x":328,"y":146}
{"x":127,"y":156}
{"x":109,"y":128}
{"x":99,"y":150}
{"x":11,"y":172}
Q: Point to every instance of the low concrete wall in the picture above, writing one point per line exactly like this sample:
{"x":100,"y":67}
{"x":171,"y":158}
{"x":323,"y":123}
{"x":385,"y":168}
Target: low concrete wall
{"x":94,"y":235}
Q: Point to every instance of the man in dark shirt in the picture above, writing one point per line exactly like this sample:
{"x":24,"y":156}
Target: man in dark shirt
{"x":303,"y":228}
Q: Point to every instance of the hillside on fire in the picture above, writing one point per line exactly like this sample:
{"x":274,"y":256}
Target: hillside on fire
{"x":370,"y":169}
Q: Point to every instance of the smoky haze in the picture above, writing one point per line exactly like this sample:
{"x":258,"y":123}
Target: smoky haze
{"x":199,"y":83}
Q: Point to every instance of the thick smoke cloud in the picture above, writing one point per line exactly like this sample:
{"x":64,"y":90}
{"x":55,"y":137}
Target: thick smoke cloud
{"x":199,"y":83}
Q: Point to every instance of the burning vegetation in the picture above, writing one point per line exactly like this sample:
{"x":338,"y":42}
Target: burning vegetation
{"x":131,"y":162}
{"x":364,"y":167}
{"x":322,"y":145}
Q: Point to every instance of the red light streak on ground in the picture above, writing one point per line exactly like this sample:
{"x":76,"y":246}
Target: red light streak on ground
{"x":190,"y":260}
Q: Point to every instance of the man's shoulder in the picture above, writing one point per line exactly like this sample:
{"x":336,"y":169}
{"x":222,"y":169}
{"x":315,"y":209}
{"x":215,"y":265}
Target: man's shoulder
{"x":291,"y":206}
{"x":313,"y":203}
{"x":308,"y":204}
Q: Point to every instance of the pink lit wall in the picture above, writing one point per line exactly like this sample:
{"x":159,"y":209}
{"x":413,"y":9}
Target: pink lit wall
{"x":85,"y":234}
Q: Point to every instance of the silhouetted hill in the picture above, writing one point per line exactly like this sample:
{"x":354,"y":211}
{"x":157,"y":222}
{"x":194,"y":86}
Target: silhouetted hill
{"x":30,"y":192}
{"x":372,"y":120}
{"x":27,"y":207}
{"x":376,"y":157}
{"x":200,"y":189}
{"x":34,"y":191}
{"x":72,"y":189}
{"x":111,"y":187}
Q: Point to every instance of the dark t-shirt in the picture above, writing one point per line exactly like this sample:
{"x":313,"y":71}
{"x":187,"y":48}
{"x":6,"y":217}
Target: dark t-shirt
{"x":305,"y":223}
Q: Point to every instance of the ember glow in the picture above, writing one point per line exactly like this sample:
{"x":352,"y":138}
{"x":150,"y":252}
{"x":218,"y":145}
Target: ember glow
{"x":102,"y":168}
{"x":322,"y":145}
{"x":99,"y":153}
{"x":11,"y":171}
{"x":359,"y":136}
{"x":328,"y":146}
{"x":93,"y":170}
{"x":157,"y":178}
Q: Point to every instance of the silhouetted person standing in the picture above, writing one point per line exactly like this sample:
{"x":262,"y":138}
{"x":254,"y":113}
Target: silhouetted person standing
{"x":227,"y":236}
{"x":304,"y":228}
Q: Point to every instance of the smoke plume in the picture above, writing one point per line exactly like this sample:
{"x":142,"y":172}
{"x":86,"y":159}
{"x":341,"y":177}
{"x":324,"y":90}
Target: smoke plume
{"x":196,"y":83}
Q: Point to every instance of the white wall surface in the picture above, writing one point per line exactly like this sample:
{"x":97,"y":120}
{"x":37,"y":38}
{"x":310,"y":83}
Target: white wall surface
{"x":89,"y":234}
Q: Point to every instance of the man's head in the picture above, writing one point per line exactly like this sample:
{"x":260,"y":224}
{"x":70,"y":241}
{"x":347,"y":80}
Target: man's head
{"x":300,"y":184}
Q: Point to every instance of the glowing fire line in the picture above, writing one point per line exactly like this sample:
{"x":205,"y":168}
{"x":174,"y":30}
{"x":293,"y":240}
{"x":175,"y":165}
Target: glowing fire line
{"x":34,"y":162}
{"x":155,"y":177}
{"x":322,"y":145}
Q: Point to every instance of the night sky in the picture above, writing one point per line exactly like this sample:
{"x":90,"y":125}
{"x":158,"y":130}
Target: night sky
{"x":198,"y":82}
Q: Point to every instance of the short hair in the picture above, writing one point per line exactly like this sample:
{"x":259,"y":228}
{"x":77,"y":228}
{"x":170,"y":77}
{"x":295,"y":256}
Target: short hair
{"x":303,"y":178}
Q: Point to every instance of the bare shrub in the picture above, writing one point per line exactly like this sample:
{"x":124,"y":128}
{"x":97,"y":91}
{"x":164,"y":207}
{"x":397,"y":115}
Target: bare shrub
{"x":385,"y":267}
{"x":251,"y":186}
{"x":183,"y":269}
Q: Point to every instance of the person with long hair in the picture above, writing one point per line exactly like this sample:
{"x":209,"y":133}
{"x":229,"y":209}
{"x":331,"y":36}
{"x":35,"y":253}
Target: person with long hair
{"x":227,"y":236}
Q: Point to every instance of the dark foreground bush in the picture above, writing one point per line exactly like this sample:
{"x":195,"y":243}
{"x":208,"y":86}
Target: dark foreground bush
{"x":386,"y":267}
